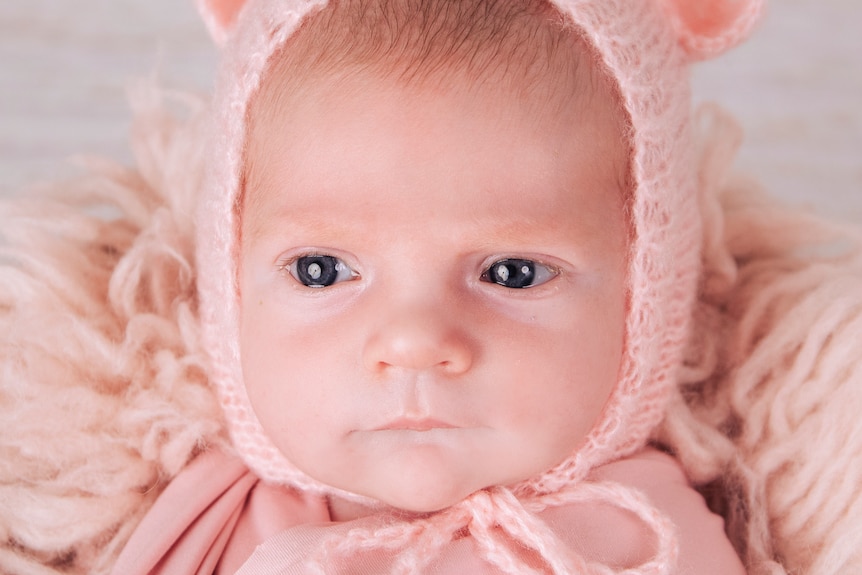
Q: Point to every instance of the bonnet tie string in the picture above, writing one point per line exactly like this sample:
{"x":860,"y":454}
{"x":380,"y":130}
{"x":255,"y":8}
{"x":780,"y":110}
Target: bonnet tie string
{"x":507,"y":532}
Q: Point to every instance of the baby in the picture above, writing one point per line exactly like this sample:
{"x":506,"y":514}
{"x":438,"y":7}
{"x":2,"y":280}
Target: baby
{"x":447,"y":257}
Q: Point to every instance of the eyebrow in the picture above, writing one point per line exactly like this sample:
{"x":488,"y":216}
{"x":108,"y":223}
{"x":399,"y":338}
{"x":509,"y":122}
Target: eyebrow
{"x":484,"y":230}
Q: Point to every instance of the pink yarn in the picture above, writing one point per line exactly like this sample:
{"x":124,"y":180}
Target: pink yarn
{"x":103,"y":378}
{"x":775,"y":359}
{"x":646,"y":47}
{"x":494,"y":518}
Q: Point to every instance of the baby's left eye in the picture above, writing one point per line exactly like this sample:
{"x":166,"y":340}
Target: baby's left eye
{"x":517,"y":273}
{"x":319,"y":271}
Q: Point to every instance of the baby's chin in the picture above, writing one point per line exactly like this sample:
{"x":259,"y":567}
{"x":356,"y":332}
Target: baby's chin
{"x":401,"y":502}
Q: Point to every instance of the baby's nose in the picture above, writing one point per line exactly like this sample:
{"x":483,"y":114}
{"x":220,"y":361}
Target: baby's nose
{"x":418,"y":340}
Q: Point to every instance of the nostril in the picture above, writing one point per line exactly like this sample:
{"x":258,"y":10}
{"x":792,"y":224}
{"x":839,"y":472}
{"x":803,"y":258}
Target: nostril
{"x":460,"y":359}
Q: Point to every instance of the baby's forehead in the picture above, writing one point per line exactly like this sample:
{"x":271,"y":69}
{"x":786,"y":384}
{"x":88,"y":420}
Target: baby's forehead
{"x":363,"y":143}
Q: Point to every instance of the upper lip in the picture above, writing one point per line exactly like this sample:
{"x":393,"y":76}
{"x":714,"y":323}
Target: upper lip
{"x":415,"y":424}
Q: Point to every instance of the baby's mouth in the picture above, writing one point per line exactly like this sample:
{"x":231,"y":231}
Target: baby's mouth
{"x":414,"y":424}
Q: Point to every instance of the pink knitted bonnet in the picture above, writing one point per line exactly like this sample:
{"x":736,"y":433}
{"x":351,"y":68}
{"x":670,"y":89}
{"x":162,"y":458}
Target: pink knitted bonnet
{"x":646,"y":46}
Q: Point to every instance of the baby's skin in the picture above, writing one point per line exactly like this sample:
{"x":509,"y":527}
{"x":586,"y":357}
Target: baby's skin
{"x":432,"y":284}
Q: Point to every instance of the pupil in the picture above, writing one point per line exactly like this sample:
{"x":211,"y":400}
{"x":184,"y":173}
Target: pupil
{"x":502,"y":273}
{"x":514,"y":273}
{"x":317,"y":271}
{"x":314,"y":271}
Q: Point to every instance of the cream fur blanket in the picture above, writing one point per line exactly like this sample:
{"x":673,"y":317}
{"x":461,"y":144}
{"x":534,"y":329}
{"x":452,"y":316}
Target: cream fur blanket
{"x":104,"y":395}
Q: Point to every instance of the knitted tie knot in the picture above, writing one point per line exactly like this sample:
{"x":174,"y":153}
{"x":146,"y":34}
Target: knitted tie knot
{"x":506,"y":532}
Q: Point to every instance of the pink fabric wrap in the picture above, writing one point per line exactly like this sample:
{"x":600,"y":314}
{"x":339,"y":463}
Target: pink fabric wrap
{"x":216,"y":517}
{"x":211,"y":518}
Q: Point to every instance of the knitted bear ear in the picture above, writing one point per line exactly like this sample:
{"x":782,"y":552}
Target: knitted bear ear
{"x":219,"y":16}
{"x":709,"y":27}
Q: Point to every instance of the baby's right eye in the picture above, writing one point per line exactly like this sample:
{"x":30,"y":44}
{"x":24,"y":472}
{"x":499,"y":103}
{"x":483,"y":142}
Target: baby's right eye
{"x":318,"y":271}
{"x":518,"y":273}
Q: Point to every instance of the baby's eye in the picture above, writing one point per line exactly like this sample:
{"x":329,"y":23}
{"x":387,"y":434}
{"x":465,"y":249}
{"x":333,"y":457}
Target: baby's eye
{"x":320,"y":271}
{"x":518,"y":273}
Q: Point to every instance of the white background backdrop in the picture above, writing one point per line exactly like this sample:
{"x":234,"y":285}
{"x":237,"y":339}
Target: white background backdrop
{"x":796,"y":87}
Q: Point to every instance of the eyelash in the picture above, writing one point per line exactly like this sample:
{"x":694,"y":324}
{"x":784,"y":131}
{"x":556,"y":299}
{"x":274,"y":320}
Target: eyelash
{"x":500,"y":272}
{"x":318,"y":270}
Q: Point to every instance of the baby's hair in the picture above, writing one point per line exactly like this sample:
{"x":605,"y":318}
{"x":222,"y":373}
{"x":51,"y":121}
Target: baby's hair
{"x":415,"y":40}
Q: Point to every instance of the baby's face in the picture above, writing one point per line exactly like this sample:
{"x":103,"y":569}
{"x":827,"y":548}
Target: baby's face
{"x":432,"y":285}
